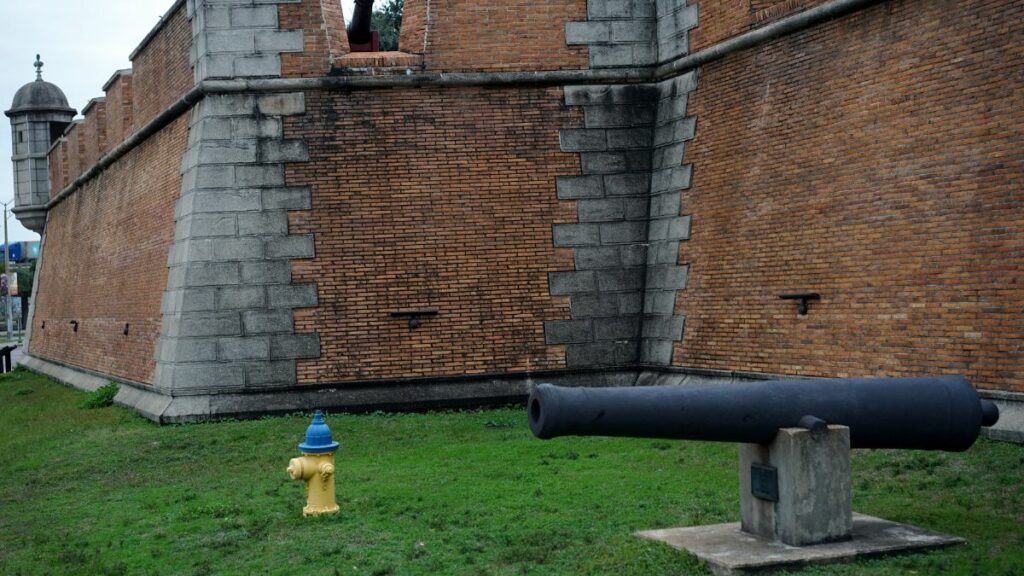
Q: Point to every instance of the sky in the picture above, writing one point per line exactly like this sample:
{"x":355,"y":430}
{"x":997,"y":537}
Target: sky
{"x":81,"y":43}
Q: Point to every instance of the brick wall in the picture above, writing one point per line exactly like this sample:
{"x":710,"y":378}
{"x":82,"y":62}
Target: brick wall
{"x":324,"y":36}
{"x":723,"y":19}
{"x":119,"y":108}
{"x":161,"y":72}
{"x":105,"y":263}
{"x":432,"y":198}
{"x":94,"y":132}
{"x":494,"y":35}
{"x":875,"y":160}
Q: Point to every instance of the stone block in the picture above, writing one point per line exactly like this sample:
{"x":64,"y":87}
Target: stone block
{"x":666,"y":277}
{"x":183,"y":350}
{"x":663,"y":252}
{"x":292,"y":296}
{"x":665,"y":327}
{"x":211,"y":274}
{"x":656,"y":352}
{"x":253,"y":17}
{"x":230,"y":41}
{"x":294,"y":346}
{"x":241,"y":297}
{"x":297,"y":198}
{"x":596,"y":257}
{"x":206,"y":225}
{"x":199,"y":324}
{"x":236,"y":249}
{"x":601,"y":9}
{"x":267,"y":272}
{"x":619,"y":279}
{"x":602,"y":210}
{"x":594,"y":304}
{"x":617,"y":115}
{"x":246,"y":348}
{"x":279,"y":41}
{"x":630,"y":302}
{"x":575,"y":234}
{"x":612,"y":56}
{"x":627,"y":184}
{"x":606,"y":353}
{"x":658,"y":302}
{"x":568,"y":331}
{"x":561,"y":283}
{"x":621,"y":328}
{"x":206,"y":376}
{"x":623,"y":232}
{"x":579,"y":140}
{"x":287,"y":104}
{"x":263,"y":127}
{"x":211,"y":177}
{"x":602,"y":162}
{"x":226,"y":105}
{"x":263,"y":223}
{"x":259,"y":175}
{"x":633,"y":254}
{"x":258,"y":66}
{"x":277,"y":372}
{"x":227,"y":152}
{"x":629,"y":138}
{"x":667,"y":204}
{"x":638,"y":31}
{"x":225,"y":201}
{"x":635,"y":208}
{"x":575,"y":187}
{"x":267,"y":321}
{"x":294,"y":246}
{"x":670,"y":179}
{"x":284,"y":151}
{"x":587,"y":32}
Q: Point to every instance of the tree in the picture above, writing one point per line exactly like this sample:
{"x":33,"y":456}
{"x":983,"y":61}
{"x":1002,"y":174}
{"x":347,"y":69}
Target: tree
{"x":25,"y":280}
{"x":387,"y":20}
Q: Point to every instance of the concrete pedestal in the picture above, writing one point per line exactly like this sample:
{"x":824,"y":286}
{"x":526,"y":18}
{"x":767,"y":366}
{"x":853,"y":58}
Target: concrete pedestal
{"x":795,"y":506}
{"x":814,"y":501}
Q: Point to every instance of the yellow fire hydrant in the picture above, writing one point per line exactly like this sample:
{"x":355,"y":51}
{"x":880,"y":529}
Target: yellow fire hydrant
{"x":316,"y":467}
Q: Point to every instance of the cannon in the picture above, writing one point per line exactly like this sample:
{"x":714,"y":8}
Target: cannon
{"x":940,"y":413}
{"x":795,"y":438}
{"x":360,"y":37}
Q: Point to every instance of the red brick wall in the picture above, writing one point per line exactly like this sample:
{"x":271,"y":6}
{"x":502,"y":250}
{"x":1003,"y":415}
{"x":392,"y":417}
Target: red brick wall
{"x":94,"y":134}
{"x":119,"y":110}
{"x":105,"y":262}
{"x":324,"y":36}
{"x":161,"y":71}
{"x":723,"y":19}
{"x":876,"y":160}
{"x":494,"y":35}
{"x":432,"y":198}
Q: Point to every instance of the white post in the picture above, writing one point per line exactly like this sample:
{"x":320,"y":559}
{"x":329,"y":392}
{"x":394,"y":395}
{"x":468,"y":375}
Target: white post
{"x":7,"y":273}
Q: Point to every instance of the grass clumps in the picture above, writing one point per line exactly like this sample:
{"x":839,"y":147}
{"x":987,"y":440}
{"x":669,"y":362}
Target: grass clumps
{"x":100,"y":397}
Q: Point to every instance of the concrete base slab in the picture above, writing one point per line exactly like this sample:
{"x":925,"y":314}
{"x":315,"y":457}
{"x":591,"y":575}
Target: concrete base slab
{"x":730,"y":552}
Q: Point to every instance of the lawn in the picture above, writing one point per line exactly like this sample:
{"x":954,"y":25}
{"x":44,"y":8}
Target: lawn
{"x":103,"y":491}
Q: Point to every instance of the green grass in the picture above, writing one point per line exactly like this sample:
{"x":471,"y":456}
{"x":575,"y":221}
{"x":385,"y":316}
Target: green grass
{"x":106,"y":492}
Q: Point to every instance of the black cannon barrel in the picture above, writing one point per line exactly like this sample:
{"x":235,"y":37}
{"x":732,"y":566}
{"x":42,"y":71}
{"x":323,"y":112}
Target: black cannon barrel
{"x":941,"y":413}
{"x":359,"y":28}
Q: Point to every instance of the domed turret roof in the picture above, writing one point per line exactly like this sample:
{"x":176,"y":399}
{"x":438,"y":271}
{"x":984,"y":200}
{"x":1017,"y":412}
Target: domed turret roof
{"x":39,"y":95}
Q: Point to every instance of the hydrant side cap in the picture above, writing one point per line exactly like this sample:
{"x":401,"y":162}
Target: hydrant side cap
{"x":318,"y":437}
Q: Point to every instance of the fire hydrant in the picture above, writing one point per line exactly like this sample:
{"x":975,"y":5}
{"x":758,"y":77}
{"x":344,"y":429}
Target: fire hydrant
{"x":316,"y":467}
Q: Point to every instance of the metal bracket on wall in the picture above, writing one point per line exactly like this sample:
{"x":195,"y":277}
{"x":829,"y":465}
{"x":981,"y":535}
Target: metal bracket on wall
{"x":74,"y":324}
{"x":414,"y":315}
{"x":803,"y":297}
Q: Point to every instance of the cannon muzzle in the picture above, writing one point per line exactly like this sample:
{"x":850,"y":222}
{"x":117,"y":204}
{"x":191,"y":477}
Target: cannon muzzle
{"x":941,"y":413}
{"x":359,"y":29}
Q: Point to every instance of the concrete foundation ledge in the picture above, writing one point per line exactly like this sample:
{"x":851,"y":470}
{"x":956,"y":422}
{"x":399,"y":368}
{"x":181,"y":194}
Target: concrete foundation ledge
{"x":730,"y":552}
{"x":1010,"y":427}
{"x":74,"y":377}
{"x":418,"y":394}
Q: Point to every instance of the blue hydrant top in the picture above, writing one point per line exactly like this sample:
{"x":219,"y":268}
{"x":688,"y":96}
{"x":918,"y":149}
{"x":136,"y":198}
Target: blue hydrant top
{"x":318,"y":437}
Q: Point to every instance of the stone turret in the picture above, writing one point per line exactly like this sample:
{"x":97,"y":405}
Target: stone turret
{"x":39,"y":115}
